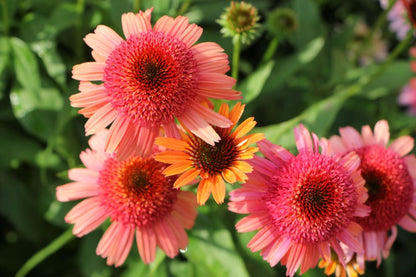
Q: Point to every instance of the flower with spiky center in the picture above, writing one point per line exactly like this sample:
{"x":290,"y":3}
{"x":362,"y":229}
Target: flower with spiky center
{"x":302,"y":205}
{"x":240,"y":21}
{"x":389,"y":175}
{"x":149,"y":80}
{"x":192,"y":157}
{"x":282,"y":22}
{"x":136,"y":196}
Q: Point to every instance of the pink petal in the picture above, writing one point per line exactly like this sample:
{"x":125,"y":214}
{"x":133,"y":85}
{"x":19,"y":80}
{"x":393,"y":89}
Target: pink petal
{"x":278,"y":250}
{"x":295,"y":258}
{"x":103,"y":41}
{"x":146,"y":244}
{"x":76,"y":190}
{"x":275,"y":153}
{"x":381,"y":132}
{"x":134,"y":24}
{"x":179,"y":28}
{"x":88,"y":71}
{"x":101,"y":119}
{"x":252,"y":222}
{"x":84,"y":175}
{"x":263,"y":238}
{"x":303,"y":139}
{"x":166,"y":239}
{"x":402,"y":145}
{"x":408,"y":223}
{"x":352,"y":138}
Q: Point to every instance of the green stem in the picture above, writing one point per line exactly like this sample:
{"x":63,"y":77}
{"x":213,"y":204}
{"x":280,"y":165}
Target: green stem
{"x":184,"y":7}
{"x":236,"y":57}
{"x":365,"y":80}
{"x":5,"y":17}
{"x":136,"y":6}
{"x":271,"y":49}
{"x":80,"y":6}
{"x":41,"y":255}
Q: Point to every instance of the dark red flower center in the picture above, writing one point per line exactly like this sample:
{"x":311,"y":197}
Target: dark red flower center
{"x":151,"y":78}
{"x":135,"y":191}
{"x":311,"y":198}
{"x":389,"y":184}
{"x":213,"y":159}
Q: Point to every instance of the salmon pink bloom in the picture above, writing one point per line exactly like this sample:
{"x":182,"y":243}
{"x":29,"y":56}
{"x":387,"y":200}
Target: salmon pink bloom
{"x":303,"y":205}
{"x":192,"y":157}
{"x":389,"y":174}
{"x":150,"y":79}
{"x":139,"y":200}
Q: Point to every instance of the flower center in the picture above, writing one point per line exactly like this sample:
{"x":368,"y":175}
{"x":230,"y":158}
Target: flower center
{"x":389,"y":184}
{"x":135,"y":191}
{"x":151,"y":78}
{"x":213,"y":159}
{"x":311,"y":198}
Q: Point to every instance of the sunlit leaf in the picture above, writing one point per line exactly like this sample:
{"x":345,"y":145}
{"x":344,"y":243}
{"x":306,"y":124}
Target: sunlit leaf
{"x":253,"y":84}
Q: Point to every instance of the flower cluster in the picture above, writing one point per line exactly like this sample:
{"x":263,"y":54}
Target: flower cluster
{"x":336,"y":203}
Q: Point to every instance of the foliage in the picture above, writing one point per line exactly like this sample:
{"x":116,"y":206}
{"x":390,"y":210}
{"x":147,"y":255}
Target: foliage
{"x":309,"y":77}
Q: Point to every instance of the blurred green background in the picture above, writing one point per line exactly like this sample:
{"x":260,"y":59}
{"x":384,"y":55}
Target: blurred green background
{"x":317,"y":76}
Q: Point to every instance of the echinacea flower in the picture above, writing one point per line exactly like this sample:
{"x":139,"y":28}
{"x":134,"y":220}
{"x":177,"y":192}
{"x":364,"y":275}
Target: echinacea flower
{"x":139,"y":200}
{"x":192,"y":157}
{"x":389,"y":174}
{"x":150,"y":79}
{"x":397,"y":16}
{"x":303,"y":205}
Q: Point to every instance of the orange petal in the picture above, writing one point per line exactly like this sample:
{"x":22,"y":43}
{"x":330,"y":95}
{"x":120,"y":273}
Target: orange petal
{"x":245,"y":127}
{"x":236,"y":112}
{"x":172,"y":143}
{"x":177,"y":168}
{"x":171,"y":157}
{"x":203,"y":191}
{"x":186,"y":178}
{"x":218,"y":189}
{"x":229,"y":176}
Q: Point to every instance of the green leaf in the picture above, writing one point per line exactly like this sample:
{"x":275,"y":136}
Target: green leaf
{"x":318,"y":118}
{"x":396,"y":75}
{"x":211,"y":249}
{"x":287,"y":67}
{"x":254,"y":83}
{"x":90,"y":263}
{"x":37,"y":111}
{"x":309,"y":22}
{"x":20,"y":148}
{"x":4,"y":62}
{"x":19,"y":207}
{"x":47,"y":52}
{"x":26,"y":67}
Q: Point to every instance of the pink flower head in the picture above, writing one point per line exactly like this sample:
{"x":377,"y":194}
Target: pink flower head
{"x":302,"y":205}
{"x":138,"y":199}
{"x":148,"y":80}
{"x":397,"y":16}
{"x":389,"y":175}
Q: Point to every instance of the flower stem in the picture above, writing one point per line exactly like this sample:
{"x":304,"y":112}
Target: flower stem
{"x":5,"y":15}
{"x":271,"y":49}
{"x":184,"y":7}
{"x":236,"y":57}
{"x":41,"y":255}
{"x":136,"y":6}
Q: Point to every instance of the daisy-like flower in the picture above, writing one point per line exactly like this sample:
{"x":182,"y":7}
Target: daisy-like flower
{"x":192,"y":157}
{"x":389,"y":174}
{"x":148,"y":80}
{"x":397,"y":16}
{"x":139,"y":200}
{"x":303,"y":205}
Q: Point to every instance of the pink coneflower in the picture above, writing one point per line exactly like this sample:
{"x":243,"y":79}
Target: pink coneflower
{"x":397,"y":16}
{"x":150,"y":79}
{"x":304,"y":205}
{"x":139,"y":200}
{"x":389,"y":175}
{"x":192,"y":157}
{"x":407,"y":96}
